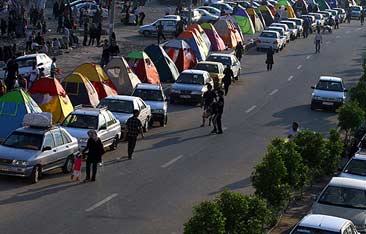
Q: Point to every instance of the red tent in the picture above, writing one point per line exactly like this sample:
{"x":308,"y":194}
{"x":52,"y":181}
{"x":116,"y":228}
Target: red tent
{"x":143,"y":67}
{"x":181,"y":54}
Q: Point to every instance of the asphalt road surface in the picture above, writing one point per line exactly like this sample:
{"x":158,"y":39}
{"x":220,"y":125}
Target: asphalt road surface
{"x":182,"y":164}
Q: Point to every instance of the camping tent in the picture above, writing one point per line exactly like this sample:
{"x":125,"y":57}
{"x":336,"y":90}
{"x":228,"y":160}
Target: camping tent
{"x":323,"y":5}
{"x":121,"y":75}
{"x":244,"y":21}
{"x":143,"y":67}
{"x":194,"y":43}
{"x":226,"y":31}
{"x":290,"y":13}
{"x":202,"y":33}
{"x":13,"y":106}
{"x":267,"y":15}
{"x":51,"y":97}
{"x":181,"y":54}
{"x":96,"y":75}
{"x":257,"y":23}
{"x":334,"y":3}
{"x":235,"y":26}
{"x":301,"y":6}
{"x":200,"y":40}
{"x":80,"y":90}
{"x":217,"y":44}
{"x":167,"y":70}
{"x":259,"y":13}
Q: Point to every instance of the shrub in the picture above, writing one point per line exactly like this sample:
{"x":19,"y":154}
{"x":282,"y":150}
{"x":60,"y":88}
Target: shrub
{"x":335,"y":146}
{"x":358,"y":94}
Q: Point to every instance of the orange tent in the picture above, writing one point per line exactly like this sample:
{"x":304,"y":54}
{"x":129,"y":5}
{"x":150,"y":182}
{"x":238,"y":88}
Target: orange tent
{"x":143,"y":67}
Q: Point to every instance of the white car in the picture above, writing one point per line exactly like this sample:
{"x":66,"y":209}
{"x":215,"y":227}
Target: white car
{"x":25,"y":63}
{"x":122,"y":108}
{"x":207,"y":17}
{"x":291,"y":27}
{"x":195,"y":16}
{"x":223,"y":7}
{"x":268,"y":39}
{"x":319,"y":18}
{"x":212,"y":10}
{"x":169,"y":27}
{"x":344,"y":198}
{"x":324,"y":224}
{"x":299,"y":24}
{"x":282,"y":35}
{"x":329,"y":91}
{"x":94,"y":8}
{"x":285,"y":27}
{"x":355,"y":167}
{"x":83,"y":119}
{"x":227,"y":59}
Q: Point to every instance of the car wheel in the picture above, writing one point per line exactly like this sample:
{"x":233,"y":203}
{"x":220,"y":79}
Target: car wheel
{"x":114,"y":144}
{"x":312,"y":106}
{"x":146,"y":33}
{"x":36,"y":174}
{"x":145,"y":128}
{"x":67,"y":168}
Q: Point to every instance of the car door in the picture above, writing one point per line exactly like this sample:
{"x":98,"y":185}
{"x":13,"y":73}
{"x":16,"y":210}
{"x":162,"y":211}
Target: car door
{"x":48,"y":156}
{"x":143,"y":111}
{"x":60,"y":148}
{"x":102,"y":129}
{"x":70,"y":148}
{"x":114,"y":129}
{"x":236,"y":65}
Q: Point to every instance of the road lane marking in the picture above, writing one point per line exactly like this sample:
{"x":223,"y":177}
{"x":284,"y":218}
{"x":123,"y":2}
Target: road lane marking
{"x":290,"y":78}
{"x":171,"y":161}
{"x":308,"y":57}
{"x":299,"y":67}
{"x":105,"y":200}
{"x":338,"y":36}
{"x":273,"y":92}
{"x":250,"y":109}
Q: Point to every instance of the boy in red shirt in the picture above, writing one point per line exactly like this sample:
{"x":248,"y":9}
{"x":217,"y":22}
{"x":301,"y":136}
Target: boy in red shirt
{"x":78,"y":162}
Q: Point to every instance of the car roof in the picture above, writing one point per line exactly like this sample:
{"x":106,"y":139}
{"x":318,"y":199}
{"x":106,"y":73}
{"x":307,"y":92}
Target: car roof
{"x":323,"y":222}
{"x":29,"y":56}
{"x":221,"y":54}
{"x":271,"y":31}
{"x":209,"y":62}
{"x":348,"y":183}
{"x":269,"y":28}
{"x":330,"y":78}
{"x":166,"y":19}
{"x":148,"y":86}
{"x":287,"y":21}
{"x":193,"y":71}
{"x":122,"y":98}
{"x":87,"y":111}
{"x":36,"y":130}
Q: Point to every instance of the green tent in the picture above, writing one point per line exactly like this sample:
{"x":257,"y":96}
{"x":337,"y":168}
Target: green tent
{"x":323,"y":5}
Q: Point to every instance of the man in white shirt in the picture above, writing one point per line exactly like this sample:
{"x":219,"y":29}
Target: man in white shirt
{"x":318,"y":39}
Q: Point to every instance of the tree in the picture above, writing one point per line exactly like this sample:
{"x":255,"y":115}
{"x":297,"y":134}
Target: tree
{"x":269,"y":180}
{"x":297,"y":171}
{"x":311,"y":146}
{"x":207,"y":219}
{"x":335,"y":147}
{"x":350,"y":117}
{"x":358,"y":94}
{"x":243,"y":214}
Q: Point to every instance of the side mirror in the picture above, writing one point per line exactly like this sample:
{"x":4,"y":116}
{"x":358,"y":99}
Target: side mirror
{"x":46,"y":148}
{"x":312,"y":87}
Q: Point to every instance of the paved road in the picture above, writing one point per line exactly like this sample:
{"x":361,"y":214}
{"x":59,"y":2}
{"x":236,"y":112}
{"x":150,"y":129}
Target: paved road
{"x":180,"y":165}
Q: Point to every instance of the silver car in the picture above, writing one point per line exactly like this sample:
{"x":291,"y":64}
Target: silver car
{"x":153,"y":95}
{"x":344,"y":198}
{"x":355,"y":167}
{"x":169,"y":27}
{"x":328,"y":92}
{"x":83,"y":119}
{"x":31,"y":151}
{"x":123,"y":106}
{"x":227,"y":59}
{"x":206,"y":17}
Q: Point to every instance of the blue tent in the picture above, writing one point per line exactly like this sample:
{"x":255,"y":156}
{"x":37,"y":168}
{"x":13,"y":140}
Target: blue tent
{"x":167,"y":70}
{"x":13,"y":106}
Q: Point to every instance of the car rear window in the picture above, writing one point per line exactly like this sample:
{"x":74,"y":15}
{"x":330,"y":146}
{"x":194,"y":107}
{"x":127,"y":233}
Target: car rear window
{"x":225,"y":60}
{"x":196,"y":79}
{"x":306,"y":230}
{"x":26,"y":62}
{"x":345,"y":197}
{"x":22,"y":140}
{"x":210,"y":68}
{"x":268,"y":34}
{"x":329,"y":86}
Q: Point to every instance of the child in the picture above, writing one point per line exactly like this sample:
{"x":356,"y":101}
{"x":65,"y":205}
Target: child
{"x":76,"y":172}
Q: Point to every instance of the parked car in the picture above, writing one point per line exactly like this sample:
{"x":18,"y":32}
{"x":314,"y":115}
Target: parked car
{"x":206,"y":17}
{"x":211,"y":9}
{"x":190,"y":86}
{"x":329,"y":18}
{"x":342,"y":14}
{"x":226,"y":8}
{"x":329,"y":91}
{"x":344,"y":198}
{"x":227,"y":59}
{"x":319,"y":19}
{"x":215,"y":69}
{"x":175,"y":17}
{"x":292,"y":28}
{"x":73,"y":3}
{"x":83,"y":119}
{"x":311,"y":19}
{"x":299,"y":25}
{"x":268,"y":39}
{"x":281,"y":31}
{"x":333,"y":12}
{"x":324,"y":224}
{"x":195,"y":16}
{"x":169,"y":27}
{"x":25,"y":63}
{"x":153,"y":95}
{"x":122,"y":108}
{"x":356,"y":12}
{"x":288,"y":34}
{"x":92,"y":6}
{"x":32,"y":150}
{"x":362,"y":144}
{"x":355,"y":167}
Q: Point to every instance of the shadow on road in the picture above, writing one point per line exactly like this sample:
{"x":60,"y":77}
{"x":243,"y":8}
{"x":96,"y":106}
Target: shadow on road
{"x":301,"y":54}
{"x":244,"y":183}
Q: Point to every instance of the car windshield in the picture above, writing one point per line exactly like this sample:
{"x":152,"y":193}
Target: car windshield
{"x":355,"y":8}
{"x":329,"y":86}
{"x":290,"y":25}
{"x":210,"y":68}
{"x":277,"y":30}
{"x":221,"y":59}
{"x":23,"y":140}
{"x":341,"y":196}
{"x":149,"y":95}
{"x":356,"y":167}
{"x":119,"y":106}
{"x":190,"y":79}
{"x":81,"y":121}
{"x":268,"y":34}
{"x":306,"y":230}
{"x":26,"y":62}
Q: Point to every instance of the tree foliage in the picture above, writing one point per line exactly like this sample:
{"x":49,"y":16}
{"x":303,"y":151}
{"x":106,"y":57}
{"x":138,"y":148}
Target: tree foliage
{"x":350,"y":116}
{"x":358,"y":94}
{"x":335,"y":146}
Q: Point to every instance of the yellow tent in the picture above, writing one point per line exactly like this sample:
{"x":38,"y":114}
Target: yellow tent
{"x":290,"y":11}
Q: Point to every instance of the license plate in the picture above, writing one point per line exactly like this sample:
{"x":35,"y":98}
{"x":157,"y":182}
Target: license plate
{"x":328,"y":103}
{"x":185,"y":96}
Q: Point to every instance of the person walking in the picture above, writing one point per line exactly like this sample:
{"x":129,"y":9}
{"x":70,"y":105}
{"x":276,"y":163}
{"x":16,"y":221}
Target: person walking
{"x":336,"y":25}
{"x":362,"y":17}
{"x":269,"y":58}
{"x":133,"y":129}
{"x":293,"y":130}
{"x":76,"y":171}
{"x":53,"y":68}
{"x":318,"y":39}
{"x":160,"y":29}
{"x":228,"y":76}
{"x":207,"y":101}
{"x":239,"y":50}
{"x":12,"y":69}
{"x":85,"y":33}
{"x":95,"y":150}
{"x":218,"y":108}
{"x":306,"y":28}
